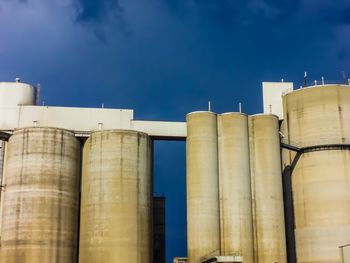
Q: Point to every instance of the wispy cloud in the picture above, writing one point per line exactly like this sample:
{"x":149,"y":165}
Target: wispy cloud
{"x":96,"y":14}
{"x":96,"y":10}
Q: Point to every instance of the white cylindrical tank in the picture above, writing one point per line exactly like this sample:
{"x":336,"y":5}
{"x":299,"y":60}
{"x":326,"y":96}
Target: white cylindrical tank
{"x":235,"y":188}
{"x":267,"y":192}
{"x":116,"y":199}
{"x":41,"y":197}
{"x":203,"y":223}
{"x":16,"y":93}
{"x":320,"y":115}
{"x":12,"y":96}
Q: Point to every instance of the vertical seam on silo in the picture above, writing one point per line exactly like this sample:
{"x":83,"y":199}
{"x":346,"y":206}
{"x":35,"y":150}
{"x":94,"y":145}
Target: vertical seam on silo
{"x":138,"y":203}
{"x":250,"y":188}
{"x":60,"y":185}
{"x":150,"y":160}
{"x":2,"y":189}
{"x":252,"y":176}
{"x":221,"y":210}
{"x":217,"y":181}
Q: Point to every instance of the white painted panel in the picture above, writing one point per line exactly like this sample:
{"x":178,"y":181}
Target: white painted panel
{"x":272,"y":96}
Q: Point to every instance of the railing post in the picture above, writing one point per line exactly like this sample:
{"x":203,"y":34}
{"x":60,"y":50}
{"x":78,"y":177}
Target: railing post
{"x":341,"y":252}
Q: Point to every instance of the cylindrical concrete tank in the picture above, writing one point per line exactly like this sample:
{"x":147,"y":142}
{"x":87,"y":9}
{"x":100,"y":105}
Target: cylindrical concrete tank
{"x":203,"y":222}
{"x":267,"y":192}
{"x":320,"y":115}
{"x":116,"y":206}
{"x":41,"y":197}
{"x":235,"y":188}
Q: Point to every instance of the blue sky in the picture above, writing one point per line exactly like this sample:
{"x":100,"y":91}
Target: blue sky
{"x":165,"y":58}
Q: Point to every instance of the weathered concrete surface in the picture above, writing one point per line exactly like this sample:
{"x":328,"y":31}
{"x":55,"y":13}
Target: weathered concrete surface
{"x":116,"y":206}
{"x":321,"y":180}
{"x":41,"y":197}
{"x":266,"y":177}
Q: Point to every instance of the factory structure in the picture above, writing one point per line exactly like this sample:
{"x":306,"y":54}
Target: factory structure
{"x":77,"y":183}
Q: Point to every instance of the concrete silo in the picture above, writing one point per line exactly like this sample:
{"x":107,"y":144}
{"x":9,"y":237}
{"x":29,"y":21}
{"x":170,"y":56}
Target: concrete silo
{"x":235,"y":187}
{"x":203,"y":223}
{"x":41,"y":197}
{"x":318,"y":121}
{"x":116,"y":206}
{"x":267,"y":193}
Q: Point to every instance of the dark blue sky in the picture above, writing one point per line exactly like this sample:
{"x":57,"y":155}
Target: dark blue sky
{"x":165,"y":58}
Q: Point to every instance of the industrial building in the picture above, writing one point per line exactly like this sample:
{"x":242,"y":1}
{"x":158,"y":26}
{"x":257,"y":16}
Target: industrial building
{"x":77,"y":183}
{"x":159,"y":229}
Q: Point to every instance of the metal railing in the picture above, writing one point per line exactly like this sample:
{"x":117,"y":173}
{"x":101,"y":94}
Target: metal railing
{"x":323,"y":82}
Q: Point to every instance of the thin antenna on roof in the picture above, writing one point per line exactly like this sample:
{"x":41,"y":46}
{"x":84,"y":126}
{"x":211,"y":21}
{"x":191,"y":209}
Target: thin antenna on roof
{"x":344,"y":77}
{"x":209,"y":106}
{"x":305,"y":79}
{"x":240,"y":107}
{"x":37,"y":93}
